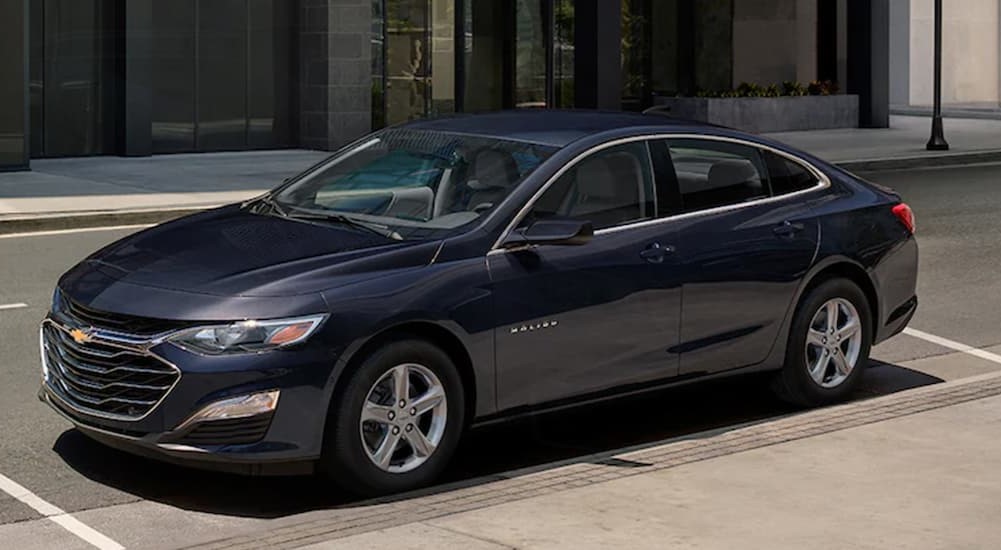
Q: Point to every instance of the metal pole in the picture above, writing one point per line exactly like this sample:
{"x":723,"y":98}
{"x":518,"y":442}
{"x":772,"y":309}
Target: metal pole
{"x":937,"y":141}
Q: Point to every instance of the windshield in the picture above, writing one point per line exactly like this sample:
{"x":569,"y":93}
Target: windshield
{"x":418,"y":184}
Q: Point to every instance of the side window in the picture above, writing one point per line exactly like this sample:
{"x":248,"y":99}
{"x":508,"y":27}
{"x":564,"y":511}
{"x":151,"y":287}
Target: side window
{"x":787,"y":176}
{"x":716,"y":173}
{"x":608,"y":188}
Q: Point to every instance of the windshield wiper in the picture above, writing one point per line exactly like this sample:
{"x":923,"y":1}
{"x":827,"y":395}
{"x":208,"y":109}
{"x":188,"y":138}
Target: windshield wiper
{"x":304,"y":214}
{"x":269,"y":200}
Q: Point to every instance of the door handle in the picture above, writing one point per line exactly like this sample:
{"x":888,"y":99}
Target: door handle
{"x":788,"y":229}
{"x":656,"y":252}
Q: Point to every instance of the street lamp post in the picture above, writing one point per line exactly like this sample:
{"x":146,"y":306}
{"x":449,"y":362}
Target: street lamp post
{"x":937,"y":141}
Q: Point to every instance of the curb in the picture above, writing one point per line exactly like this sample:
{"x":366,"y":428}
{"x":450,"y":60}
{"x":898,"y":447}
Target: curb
{"x":80,"y":220}
{"x":949,"y":112}
{"x":924,"y":161}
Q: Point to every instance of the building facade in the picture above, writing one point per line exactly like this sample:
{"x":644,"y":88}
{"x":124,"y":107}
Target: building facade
{"x":141,"y":77}
{"x":971,"y":53}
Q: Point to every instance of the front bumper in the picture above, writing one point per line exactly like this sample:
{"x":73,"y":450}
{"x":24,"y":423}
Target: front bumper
{"x":287,"y":440}
{"x":252,"y":459}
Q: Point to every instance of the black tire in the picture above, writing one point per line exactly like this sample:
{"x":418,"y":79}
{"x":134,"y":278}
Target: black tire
{"x":794,"y":383}
{"x":345,"y":461}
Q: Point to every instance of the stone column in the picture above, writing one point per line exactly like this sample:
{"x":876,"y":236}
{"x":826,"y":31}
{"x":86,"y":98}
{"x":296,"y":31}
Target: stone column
{"x":335,"y":60}
{"x":900,"y":52}
{"x":868,"y":64}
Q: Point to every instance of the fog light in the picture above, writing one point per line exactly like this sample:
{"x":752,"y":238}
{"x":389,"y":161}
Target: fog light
{"x":242,"y":406}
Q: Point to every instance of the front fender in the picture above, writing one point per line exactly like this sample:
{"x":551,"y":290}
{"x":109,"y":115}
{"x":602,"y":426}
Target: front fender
{"x":454,"y":297}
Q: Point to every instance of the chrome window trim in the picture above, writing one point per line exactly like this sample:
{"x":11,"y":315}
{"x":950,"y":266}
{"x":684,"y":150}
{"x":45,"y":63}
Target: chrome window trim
{"x":102,"y":337}
{"x":823,"y":183}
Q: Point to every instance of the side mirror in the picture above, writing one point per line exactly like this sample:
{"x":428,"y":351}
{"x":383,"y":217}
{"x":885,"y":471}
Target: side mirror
{"x":558,"y":232}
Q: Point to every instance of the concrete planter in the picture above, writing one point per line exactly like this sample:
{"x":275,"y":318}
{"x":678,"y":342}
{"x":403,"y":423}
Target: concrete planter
{"x":768,"y":114}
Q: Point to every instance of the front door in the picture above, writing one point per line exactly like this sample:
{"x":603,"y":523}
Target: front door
{"x":579,"y":319}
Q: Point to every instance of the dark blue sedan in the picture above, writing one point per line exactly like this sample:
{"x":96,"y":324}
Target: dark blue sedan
{"x":448,"y":273}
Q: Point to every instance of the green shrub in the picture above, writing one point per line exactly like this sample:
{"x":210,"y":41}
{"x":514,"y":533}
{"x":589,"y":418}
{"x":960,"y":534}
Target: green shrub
{"x":786,"y":88}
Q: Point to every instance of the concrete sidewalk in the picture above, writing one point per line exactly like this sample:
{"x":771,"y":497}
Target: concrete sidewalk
{"x":915,"y":469}
{"x":114,"y":190}
{"x":921,"y":481}
{"x":902,"y":145}
{"x":96,"y":183}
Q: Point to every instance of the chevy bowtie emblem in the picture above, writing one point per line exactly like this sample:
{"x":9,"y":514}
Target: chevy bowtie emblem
{"x":80,"y":336}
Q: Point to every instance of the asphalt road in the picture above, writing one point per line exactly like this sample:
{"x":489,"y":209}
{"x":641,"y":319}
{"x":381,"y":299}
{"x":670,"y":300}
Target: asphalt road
{"x":138,"y":501}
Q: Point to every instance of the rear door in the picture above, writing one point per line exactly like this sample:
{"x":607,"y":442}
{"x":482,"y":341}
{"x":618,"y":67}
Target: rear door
{"x":743,"y":249}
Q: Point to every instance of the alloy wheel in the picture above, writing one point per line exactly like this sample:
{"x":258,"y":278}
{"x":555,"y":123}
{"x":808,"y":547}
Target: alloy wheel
{"x":403,"y":418}
{"x":833,"y":342}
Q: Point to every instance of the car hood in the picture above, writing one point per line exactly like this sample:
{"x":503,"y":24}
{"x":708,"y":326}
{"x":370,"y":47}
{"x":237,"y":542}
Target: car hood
{"x":234,"y":253}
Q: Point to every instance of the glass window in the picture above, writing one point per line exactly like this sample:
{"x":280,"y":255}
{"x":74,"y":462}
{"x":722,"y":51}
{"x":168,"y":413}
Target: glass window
{"x":173,"y":75}
{"x":378,"y":64}
{"x":787,"y":176}
{"x":73,"y":77}
{"x":609,"y":188}
{"x":484,"y":54}
{"x":418,"y":184}
{"x":635,"y":59}
{"x":219,"y":71}
{"x":530,"y":54}
{"x":716,"y":173}
{"x":442,"y":56}
{"x":12,"y":120}
{"x":563,"y":53}
{"x":407,"y":61}
{"x":268,"y":95}
{"x":222,"y":74}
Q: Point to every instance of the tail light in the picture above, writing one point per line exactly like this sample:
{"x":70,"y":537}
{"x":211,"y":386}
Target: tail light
{"x":905,"y":215}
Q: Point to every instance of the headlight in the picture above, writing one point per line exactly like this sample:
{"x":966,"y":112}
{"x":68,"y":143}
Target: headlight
{"x":248,"y":336}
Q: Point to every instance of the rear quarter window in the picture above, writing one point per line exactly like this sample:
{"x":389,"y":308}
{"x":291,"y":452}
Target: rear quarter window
{"x":786,"y":175}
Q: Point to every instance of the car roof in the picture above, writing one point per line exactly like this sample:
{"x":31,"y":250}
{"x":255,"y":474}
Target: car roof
{"x":552,"y":126}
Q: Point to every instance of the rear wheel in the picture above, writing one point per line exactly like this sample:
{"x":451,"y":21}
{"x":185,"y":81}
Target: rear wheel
{"x":828,"y":346}
{"x":397,"y":422}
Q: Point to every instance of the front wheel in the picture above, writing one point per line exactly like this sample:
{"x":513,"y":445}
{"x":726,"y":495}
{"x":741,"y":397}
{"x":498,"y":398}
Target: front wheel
{"x":397,"y":422}
{"x":828,"y":346}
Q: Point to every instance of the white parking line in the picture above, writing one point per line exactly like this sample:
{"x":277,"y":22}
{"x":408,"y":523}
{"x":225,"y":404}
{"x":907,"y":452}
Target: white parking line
{"x":952,"y":344}
{"x":18,"y":305}
{"x":77,"y":230}
{"x":57,"y":515}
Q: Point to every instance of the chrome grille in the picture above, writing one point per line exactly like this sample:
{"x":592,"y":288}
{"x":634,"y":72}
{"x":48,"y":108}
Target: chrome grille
{"x":104,"y":380}
{"x":140,"y":326}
